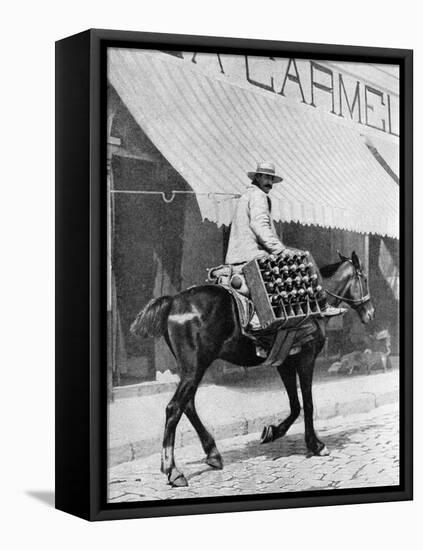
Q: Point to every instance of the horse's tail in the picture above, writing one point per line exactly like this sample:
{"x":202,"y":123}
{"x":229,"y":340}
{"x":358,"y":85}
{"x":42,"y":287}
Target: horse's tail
{"x":152,"y":320}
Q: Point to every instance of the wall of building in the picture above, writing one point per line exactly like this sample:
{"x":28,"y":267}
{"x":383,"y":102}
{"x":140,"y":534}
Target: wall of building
{"x":147,"y":251}
{"x":158,"y":248}
{"x":161,"y":248}
{"x":203,"y":245}
{"x":384,"y":254}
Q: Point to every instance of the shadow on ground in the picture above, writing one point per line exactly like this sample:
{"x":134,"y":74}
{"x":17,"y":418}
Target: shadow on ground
{"x":46,"y":497}
{"x":289,"y":445}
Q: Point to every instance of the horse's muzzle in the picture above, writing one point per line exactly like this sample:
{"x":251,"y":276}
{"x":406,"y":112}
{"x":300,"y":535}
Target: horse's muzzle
{"x":368,"y":314}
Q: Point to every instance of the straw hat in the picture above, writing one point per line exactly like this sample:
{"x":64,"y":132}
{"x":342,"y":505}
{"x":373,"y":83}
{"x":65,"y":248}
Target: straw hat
{"x":267,"y":168}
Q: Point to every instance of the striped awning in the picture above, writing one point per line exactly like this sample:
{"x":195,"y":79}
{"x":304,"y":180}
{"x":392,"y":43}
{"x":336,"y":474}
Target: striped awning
{"x":213,"y":132}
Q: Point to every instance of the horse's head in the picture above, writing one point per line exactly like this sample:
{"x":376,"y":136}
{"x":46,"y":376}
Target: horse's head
{"x":349,"y":284}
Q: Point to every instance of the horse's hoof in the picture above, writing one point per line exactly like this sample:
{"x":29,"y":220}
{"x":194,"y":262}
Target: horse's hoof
{"x":177,"y":479}
{"x":215,"y":461}
{"x":324,"y":451}
{"x":268,"y":434}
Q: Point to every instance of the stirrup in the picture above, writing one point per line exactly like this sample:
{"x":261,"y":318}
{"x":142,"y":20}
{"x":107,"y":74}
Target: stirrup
{"x":254,"y":323}
{"x":261,"y":352}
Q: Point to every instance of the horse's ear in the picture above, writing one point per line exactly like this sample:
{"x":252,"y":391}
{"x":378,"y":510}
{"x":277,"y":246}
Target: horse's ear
{"x":342,"y":257}
{"x":355,"y":260}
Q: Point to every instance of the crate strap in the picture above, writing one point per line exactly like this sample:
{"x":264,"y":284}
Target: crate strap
{"x":280,"y":349}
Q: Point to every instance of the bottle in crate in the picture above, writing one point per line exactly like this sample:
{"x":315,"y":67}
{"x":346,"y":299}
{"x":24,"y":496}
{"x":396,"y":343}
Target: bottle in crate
{"x":274,"y":300}
{"x":279,"y":282}
{"x":267,"y":274}
{"x":284,"y":296}
{"x":270,"y":287}
{"x":287,"y":258}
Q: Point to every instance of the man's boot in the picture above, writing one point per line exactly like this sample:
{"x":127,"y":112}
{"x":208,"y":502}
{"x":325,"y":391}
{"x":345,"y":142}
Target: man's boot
{"x":328,"y":310}
{"x":331,"y":311}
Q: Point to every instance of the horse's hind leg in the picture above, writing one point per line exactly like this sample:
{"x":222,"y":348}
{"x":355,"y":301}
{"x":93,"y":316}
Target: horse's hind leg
{"x":184,"y":392}
{"x":214,"y":458}
{"x":289,"y":377}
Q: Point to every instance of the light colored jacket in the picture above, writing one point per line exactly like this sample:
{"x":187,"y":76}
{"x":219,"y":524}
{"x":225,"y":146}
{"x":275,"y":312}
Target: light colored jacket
{"x":253,"y":233}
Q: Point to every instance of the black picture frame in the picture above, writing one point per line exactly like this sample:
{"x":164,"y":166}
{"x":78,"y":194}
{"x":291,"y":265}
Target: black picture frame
{"x":81,"y":321}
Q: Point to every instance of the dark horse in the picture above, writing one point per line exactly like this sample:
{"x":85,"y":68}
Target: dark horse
{"x":201,"y":324}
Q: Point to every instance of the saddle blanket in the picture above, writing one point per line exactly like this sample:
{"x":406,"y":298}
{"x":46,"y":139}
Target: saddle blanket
{"x":244,"y":306}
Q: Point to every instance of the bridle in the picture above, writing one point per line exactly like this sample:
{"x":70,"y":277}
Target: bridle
{"x":354,"y":303}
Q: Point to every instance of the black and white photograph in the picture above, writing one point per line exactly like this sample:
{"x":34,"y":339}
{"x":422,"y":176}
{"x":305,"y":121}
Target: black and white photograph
{"x":253,"y":275}
{"x":210,"y":248}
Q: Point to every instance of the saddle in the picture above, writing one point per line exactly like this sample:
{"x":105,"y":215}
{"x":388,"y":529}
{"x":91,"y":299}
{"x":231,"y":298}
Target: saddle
{"x":233,"y":280}
{"x":278,"y":344}
{"x":230,"y":276}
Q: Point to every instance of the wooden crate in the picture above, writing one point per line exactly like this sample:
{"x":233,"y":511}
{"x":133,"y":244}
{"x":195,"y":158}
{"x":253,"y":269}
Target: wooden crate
{"x":269,"y":321}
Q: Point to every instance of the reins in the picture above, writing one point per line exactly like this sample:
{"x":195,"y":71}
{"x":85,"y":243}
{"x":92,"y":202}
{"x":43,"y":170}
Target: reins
{"x":353,"y":302}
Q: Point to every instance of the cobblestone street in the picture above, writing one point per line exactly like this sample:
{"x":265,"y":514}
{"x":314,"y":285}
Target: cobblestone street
{"x":364,"y":452}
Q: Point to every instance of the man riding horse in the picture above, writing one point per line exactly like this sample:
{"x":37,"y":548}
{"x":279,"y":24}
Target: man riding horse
{"x":253,"y":233}
{"x":201,"y":324}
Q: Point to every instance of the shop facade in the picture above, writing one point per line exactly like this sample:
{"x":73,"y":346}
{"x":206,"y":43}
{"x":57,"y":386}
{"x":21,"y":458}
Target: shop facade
{"x":183,"y":130}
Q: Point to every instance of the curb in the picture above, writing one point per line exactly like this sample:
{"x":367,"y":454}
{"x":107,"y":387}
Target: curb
{"x":362,"y":403}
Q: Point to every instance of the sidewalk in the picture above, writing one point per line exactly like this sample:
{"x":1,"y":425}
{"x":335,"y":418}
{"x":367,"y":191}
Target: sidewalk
{"x":136,"y":423}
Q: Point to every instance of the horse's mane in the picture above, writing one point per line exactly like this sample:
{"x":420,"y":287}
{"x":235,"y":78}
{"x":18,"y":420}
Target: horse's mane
{"x":329,"y":270}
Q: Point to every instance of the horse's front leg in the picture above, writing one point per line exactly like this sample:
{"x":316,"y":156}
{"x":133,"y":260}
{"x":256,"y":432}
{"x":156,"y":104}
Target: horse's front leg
{"x":289,"y":377}
{"x":305,"y":370}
